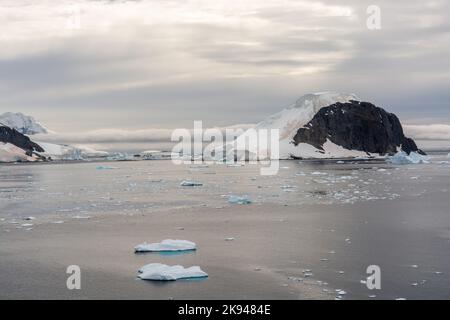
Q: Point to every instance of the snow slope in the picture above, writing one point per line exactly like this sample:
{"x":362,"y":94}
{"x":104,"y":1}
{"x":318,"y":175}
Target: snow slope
{"x":288,"y":121}
{"x":22,"y":123}
{"x":12,"y":153}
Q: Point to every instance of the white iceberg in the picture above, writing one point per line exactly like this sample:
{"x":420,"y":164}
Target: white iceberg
{"x":166,"y":245}
{"x":239,"y":199}
{"x":162,"y":272}
{"x":190,"y":183}
{"x":402,"y":157}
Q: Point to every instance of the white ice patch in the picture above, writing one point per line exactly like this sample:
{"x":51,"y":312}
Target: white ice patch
{"x":162,"y":272}
{"x":402,"y":157}
{"x":166,"y":245}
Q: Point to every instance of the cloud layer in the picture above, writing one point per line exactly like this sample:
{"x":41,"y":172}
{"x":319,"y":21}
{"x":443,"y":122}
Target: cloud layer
{"x":85,"y":65}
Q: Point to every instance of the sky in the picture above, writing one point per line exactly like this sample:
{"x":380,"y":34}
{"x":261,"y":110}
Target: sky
{"x":80,"y":66}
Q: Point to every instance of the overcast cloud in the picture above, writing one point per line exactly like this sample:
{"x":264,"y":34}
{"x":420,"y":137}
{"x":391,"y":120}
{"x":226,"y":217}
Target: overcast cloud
{"x":163,"y":64}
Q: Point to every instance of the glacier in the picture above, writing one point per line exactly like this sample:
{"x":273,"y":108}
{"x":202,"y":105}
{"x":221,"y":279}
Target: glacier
{"x":402,"y":157}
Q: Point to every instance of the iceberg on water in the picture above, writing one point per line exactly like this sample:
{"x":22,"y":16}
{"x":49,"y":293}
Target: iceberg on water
{"x":162,"y":272}
{"x":239,"y":199}
{"x":402,"y":157}
{"x":190,"y":183}
{"x":166,"y":245}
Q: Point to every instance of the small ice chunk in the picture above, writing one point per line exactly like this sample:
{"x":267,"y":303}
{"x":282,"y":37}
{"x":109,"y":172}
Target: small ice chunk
{"x":29,"y":218}
{"x":162,"y":272}
{"x":190,"y":183}
{"x":105,"y":168}
{"x":166,"y":245}
{"x":229,"y":239}
{"x":239,"y":199}
{"x":317,"y":173}
{"x":27,"y":225}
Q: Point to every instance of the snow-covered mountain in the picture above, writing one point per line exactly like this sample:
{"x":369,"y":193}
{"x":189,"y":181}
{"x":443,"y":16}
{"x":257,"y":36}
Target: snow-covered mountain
{"x":22,"y":123}
{"x":15,"y":145}
{"x":329,"y":125}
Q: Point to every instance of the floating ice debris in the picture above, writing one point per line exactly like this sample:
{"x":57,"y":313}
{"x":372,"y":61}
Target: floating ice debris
{"x":190,"y":183}
{"x":317,"y":173}
{"x":162,"y":272}
{"x":81,"y":217}
{"x":29,"y":218}
{"x":27,"y":225}
{"x":58,"y":222}
{"x":180,"y":228}
{"x":438,"y":272}
{"x":342,"y":293}
{"x":414,"y":284}
{"x":229,"y":239}
{"x":372,"y":296}
{"x":341,"y":272}
{"x":340,"y":162}
{"x":105,"y":168}
{"x":239,"y":199}
{"x":415,"y":266}
{"x":400,"y":299}
{"x":402,"y":157}
{"x":166,"y":245}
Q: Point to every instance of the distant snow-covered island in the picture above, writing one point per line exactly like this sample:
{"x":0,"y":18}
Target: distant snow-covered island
{"x":325,"y":125}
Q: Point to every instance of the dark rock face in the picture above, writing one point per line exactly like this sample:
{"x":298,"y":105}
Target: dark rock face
{"x":8,"y":135}
{"x":358,"y":126}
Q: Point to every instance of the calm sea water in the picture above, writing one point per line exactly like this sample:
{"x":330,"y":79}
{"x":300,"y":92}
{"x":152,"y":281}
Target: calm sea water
{"x":397,"y":217}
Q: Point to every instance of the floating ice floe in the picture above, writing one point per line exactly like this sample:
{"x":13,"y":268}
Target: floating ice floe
{"x":104,"y":168}
{"x":166,"y":245}
{"x":239,"y":199}
{"x":190,"y":183}
{"x":402,"y":157}
{"x":162,"y":272}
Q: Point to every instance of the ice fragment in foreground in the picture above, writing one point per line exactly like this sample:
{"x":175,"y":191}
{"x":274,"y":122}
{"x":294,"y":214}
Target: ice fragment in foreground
{"x":162,"y":272}
{"x":166,"y":245}
{"x":239,"y":200}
